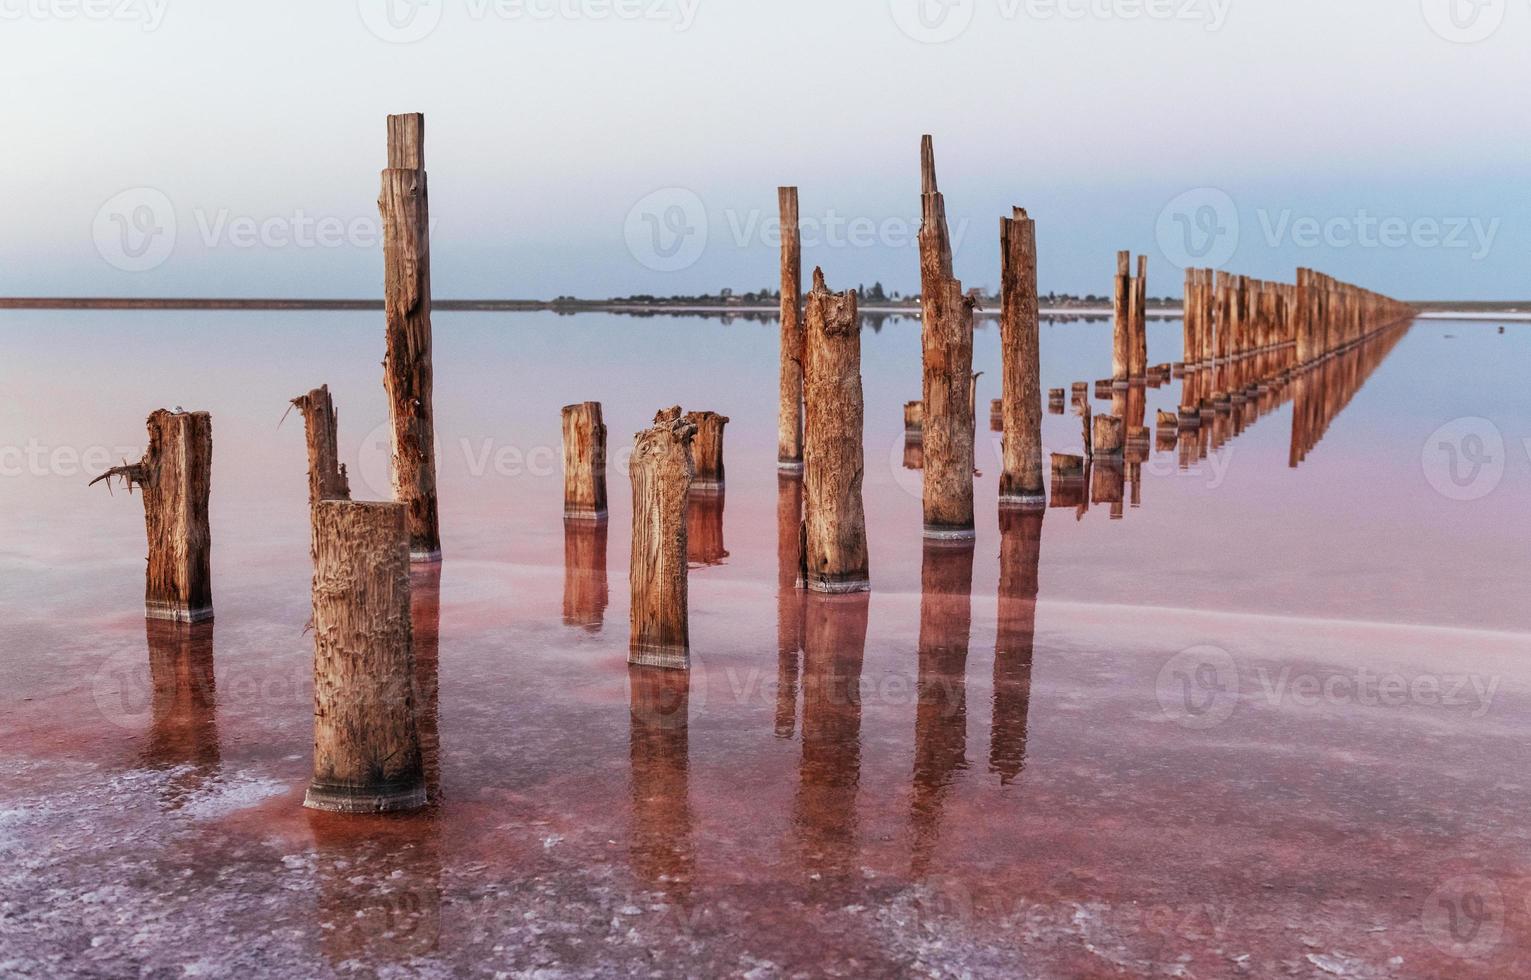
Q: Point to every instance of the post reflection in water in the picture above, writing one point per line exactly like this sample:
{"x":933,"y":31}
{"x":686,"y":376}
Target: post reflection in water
{"x":704,"y":528}
{"x":661,"y":841}
{"x":183,"y":728}
{"x":425,"y":617}
{"x":380,"y":889}
{"x":1020,"y":554}
{"x":1319,"y":396}
{"x":940,"y":725}
{"x":824,"y":810}
{"x":585,"y":592}
{"x":789,"y":599}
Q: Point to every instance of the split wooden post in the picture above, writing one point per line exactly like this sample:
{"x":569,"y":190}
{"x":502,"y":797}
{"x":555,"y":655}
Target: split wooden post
{"x":1021,"y":482}
{"x":367,"y":756}
{"x":407,"y":371}
{"x":835,"y":559}
{"x":1121,"y":335}
{"x":327,"y":479}
{"x":789,"y":453}
{"x":1107,"y":438}
{"x":1138,"y":355}
{"x":707,"y":451}
{"x":175,"y":475}
{"x":584,"y":463}
{"x":661,"y":471}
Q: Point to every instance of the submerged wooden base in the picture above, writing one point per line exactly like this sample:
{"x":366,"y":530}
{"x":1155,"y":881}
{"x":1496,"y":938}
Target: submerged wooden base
{"x":424,"y":557}
{"x":939,"y":532}
{"x":829,"y":585}
{"x":713,"y":487}
{"x":1023,"y":501}
{"x":176,"y":614}
{"x":789,"y":466}
{"x":333,"y":798}
{"x":585,"y":516}
{"x":665,"y":658}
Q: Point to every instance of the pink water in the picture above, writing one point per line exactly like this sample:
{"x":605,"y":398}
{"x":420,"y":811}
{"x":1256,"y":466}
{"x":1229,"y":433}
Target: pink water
{"x":1272,"y":722}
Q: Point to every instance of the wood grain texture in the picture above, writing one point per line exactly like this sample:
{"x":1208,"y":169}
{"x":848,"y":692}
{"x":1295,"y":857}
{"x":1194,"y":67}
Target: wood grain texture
{"x":367,"y":755}
{"x":584,"y":463}
{"x":1020,"y":484}
{"x":789,"y":447}
{"x":1121,"y":326}
{"x":661,"y":471}
{"x":707,"y":451}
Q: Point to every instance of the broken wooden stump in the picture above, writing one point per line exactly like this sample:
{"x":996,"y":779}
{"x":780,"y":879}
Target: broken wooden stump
{"x":367,"y":754}
{"x":407,"y":371}
{"x":175,"y":475}
{"x":327,"y":479}
{"x":661,"y":470}
{"x":835,"y":559}
{"x":1107,"y":437}
{"x":1020,"y":484}
{"x":707,"y":451}
{"x":914,"y":418}
{"x":789,"y":443}
{"x":584,"y":463}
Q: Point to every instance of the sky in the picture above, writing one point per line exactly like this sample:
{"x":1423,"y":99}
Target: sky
{"x":600,"y":148}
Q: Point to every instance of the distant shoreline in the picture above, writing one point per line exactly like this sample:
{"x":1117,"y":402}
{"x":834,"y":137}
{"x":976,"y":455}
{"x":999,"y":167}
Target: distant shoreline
{"x":1505,"y":310}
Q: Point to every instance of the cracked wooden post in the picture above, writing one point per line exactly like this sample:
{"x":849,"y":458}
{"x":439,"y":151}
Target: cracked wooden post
{"x":407,"y":372}
{"x":1121,"y":334}
{"x":789,"y":442}
{"x":1137,"y":355}
{"x":367,"y":756}
{"x":584,"y":463}
{"x":661,"y":471}
{"x":834,"y":521}
{"x":327,"y":479}
{"x":947,"y":377}
{"x":707,"y":451}
{"x":175,"y":475}
{"x":1020,"y":485}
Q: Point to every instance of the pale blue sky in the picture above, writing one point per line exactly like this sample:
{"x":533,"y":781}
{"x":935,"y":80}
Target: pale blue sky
{"x":1357,"y":137}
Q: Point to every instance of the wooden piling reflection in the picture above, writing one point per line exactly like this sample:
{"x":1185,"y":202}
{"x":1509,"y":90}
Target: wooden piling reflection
{"x":789,"y":600}
{"x":183,"y":697}
{"x":704,"y":529}
{"x":1020,"y":554}
{"x":380,"y":892}
{"x":425,"y":622}
{"x":661,"y":844}
{"x":940,"y":728}
{"x":586,"y":591}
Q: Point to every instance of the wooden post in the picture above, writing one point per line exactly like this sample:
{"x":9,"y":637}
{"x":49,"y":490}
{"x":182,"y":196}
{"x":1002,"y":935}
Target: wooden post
{"x":834,"y":518}
{"x":584,"y":463}
{"x":1108,"y":437}
{"x":175,"y":475}
{"x":1137,"y":361}
{"x":914,"y":418}
{"x":367,"y":756}
{"x":407,"y":371}
{"x":327,"y":478}
{"x":1021,"y":482}
{"x":1121,"y":336}
{"x":661,"y":471}
{"x":707,"y":451}
{"x":789,"y":453}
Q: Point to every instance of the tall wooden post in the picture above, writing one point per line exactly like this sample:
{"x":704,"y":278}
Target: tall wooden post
{"x":584,"y":463}
{"x":1021,"y":483}
{"x":175,"y":474}
{"x":707,"y":451}
{"x":367,"y":756}
{"x":1121,"y":334}
{"x":1138,"y":354}
{"x":789,"y":453}
{"x":407,"y":371}
{"x":661,"y":471}
{"x":835,"y":560}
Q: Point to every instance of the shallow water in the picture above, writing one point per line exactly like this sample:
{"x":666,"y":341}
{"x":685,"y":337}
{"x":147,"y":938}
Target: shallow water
{"x":1270,"y":722}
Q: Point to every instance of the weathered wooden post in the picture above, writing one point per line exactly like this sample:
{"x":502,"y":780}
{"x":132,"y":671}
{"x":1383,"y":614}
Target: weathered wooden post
{"x":661,"y":471}
{"x":175,"y":475}
{"x":1021,"y":483}
{"x":367,"y":756}
{"x":327,"y":479}
{"x":584,"y":463}
{"x":914,"y":419}
{"x":407,"y":371}
{"x":1108,"y":437}
{"x":1137,"y":361}
{"x":1121,"y":335}
{"x":707,"y":451}
{"x":834,"y":518}
{"x":947,"y":338}
{"x":789,"y":452}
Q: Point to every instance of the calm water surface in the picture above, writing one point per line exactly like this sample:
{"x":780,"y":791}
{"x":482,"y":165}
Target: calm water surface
{"x":1255,"y":720}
